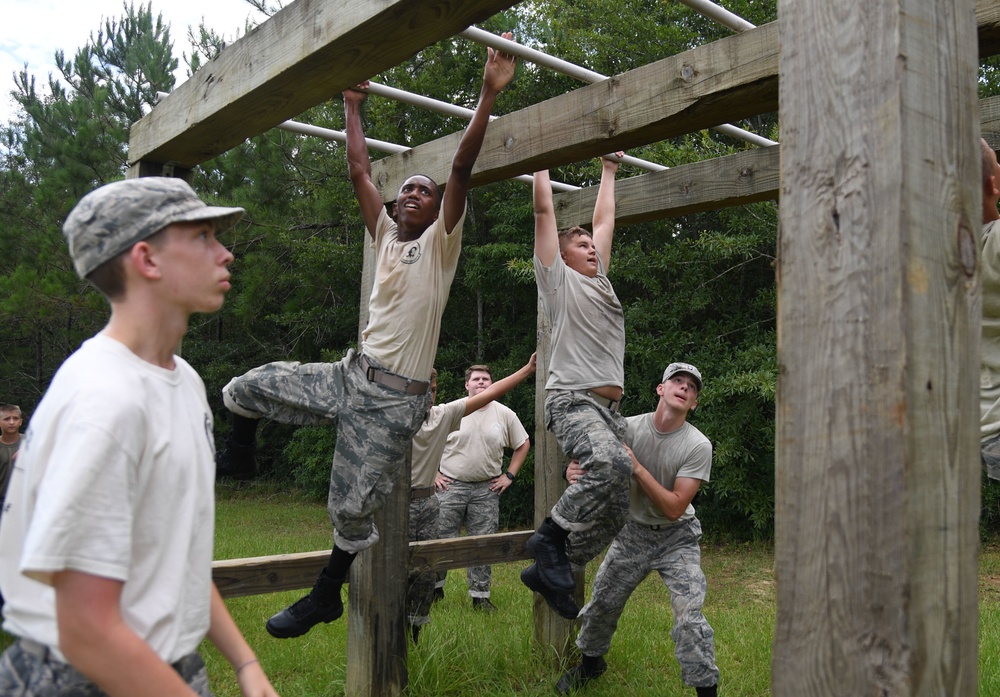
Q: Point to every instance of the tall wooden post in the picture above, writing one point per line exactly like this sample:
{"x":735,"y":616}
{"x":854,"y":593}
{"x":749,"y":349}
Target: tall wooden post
{"x":376,"y":609}
{"x":552,"y":632}
{"x":878,"y":476}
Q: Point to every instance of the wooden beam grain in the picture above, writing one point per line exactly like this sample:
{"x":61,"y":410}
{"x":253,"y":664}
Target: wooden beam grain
{"x":733,"y":180}
{"x":283,"y":572}
{"x":722,"y":81}
{"x":877,"y":471}
{"x":305,"y":54}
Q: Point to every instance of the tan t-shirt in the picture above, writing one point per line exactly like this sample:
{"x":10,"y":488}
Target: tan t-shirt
{"x":474,"y":453}
{"x":430,"y":440}
{"x":7,"y":452}
{"x":588,"y":327}
{"x":685,"y":452}
{"x":412,"y":282}
{"x":989,"y":347}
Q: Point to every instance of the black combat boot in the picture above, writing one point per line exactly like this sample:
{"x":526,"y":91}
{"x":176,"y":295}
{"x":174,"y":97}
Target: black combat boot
{"x":591,"y":668}
{"x":548,"y":548}
{"x":322,"y":604}
{"x":483,"y":605}
{"x":561,"y":601}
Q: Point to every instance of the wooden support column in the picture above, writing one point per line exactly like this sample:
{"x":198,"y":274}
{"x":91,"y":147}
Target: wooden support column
{"x":376,"y":608}
{"x":553,"y":634}
{"x":877,"y":463}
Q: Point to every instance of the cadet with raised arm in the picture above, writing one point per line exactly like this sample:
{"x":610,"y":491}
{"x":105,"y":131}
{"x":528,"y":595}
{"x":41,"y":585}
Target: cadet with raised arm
{"x":428,"y":445}
{"x":584,"y":386}
{"x":470,"y":478}
{"x":377,"y":397}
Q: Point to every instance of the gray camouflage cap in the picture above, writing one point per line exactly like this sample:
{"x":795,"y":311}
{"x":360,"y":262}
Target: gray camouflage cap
{"x":112,"y":218}
{"x":675,"y":368}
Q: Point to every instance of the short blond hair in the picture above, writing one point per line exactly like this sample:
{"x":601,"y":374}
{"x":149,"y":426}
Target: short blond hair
{"x":569,"y":234}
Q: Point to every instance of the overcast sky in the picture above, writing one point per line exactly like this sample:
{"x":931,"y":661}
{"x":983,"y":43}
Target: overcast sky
{"x":33,"y":30}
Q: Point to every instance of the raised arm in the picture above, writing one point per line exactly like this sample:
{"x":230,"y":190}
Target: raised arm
{"x":499,"y":388}
{"x":604,"y":210}
{"x":359,"y":164}
{"x":498,"y":73}
{"x":546,"y":234}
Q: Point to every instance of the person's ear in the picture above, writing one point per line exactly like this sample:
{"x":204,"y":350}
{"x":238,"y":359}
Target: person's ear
{"x":142,"y":258}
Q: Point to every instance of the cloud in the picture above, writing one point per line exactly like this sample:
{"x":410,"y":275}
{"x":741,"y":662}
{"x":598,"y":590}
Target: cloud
{"x":41,"y":27}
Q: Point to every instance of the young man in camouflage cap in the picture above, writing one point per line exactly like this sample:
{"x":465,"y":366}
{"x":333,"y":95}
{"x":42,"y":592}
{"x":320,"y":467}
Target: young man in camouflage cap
{"x":378,"y":396}
{"x":107,"y":531}
{"x":670,"y":460}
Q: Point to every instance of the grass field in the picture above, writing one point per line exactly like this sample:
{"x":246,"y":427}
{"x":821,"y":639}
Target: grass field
{"x":463,"y":652}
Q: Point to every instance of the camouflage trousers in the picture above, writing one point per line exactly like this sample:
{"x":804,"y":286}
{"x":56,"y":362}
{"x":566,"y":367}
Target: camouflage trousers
{"x":27,"y":669}
{"x":420,"y":588}
{"x":595,"y":507}
{"x":478,"y":508}
{"x":674,"y":553}
{"x":375,"y":425}
{"x":990,"y":455}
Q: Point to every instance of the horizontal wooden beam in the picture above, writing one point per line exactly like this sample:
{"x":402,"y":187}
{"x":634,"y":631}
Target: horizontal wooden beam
{"x":989,"y":119}
{"x":303,"y":55}
{"x":284,"y":572}
{"x":310,"y":51}
{"x":988,"y":23}
{"x":719,"y":82}
{"x":725,"y":80}
{"x":733,"y":180}
{"x":472,"y":550}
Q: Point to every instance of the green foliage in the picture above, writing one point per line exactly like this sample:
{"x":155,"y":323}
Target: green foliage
{"x":311,"y":449}
{"x":699,"y":287}
{"x":61,"y":146}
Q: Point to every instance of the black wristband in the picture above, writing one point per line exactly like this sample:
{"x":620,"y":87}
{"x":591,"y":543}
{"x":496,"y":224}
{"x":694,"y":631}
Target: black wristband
{"x":509,"y":475}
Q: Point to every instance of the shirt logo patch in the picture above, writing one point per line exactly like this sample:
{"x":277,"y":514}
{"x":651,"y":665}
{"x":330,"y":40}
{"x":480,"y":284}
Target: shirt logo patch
{"x":411,"y":255}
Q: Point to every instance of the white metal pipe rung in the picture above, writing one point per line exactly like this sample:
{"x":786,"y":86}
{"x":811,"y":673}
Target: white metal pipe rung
{"x":719,"y":14}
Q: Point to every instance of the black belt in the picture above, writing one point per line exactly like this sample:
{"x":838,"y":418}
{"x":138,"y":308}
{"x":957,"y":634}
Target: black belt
{"x":422,"y":492}
{"x":393,"y":382}
{"x":609,"y":404}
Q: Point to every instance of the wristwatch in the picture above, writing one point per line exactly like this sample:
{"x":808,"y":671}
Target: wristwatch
{"x":509,"y":475}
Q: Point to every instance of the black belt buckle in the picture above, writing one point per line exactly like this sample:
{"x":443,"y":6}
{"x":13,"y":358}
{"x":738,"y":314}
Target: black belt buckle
{"x":370,"y":373}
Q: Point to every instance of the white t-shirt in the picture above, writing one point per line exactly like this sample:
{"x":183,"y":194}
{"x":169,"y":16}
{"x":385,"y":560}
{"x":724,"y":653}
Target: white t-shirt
{"x":588,"y":327}
{"x":989,"y":348}
{"x":115,"y":479}
{"x":685,"y":452}
{"x":412,"y":283}
{"x":430,"y":440}
{"x":474,"y":453}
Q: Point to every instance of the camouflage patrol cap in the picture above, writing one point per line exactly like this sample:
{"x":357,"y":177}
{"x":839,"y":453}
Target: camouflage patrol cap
{"x":112,"y":218}
{"x":675,"y":368}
